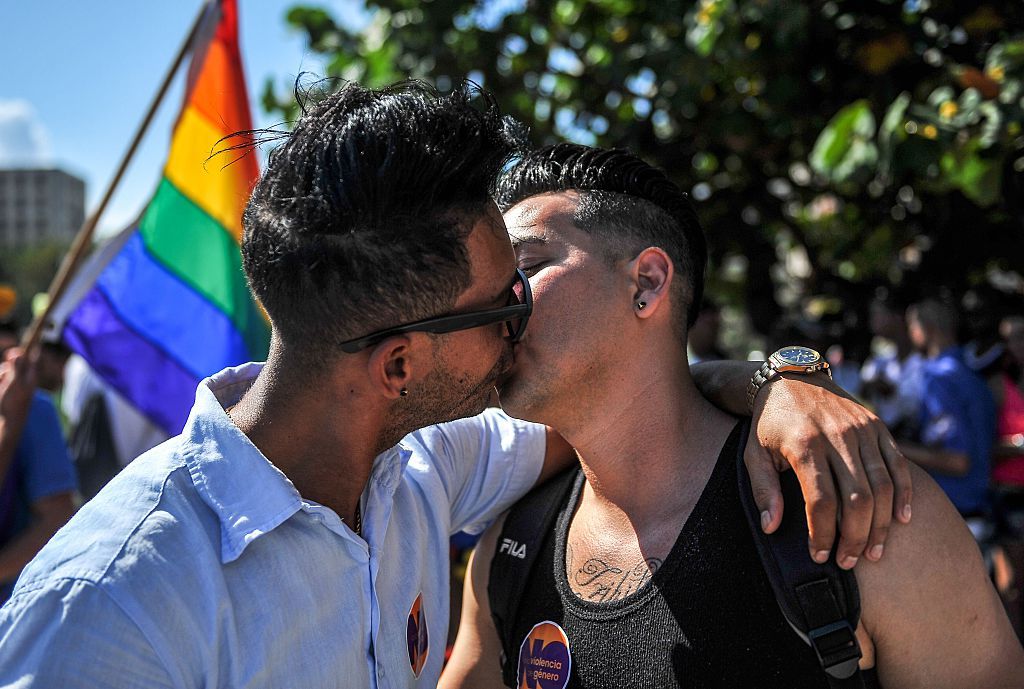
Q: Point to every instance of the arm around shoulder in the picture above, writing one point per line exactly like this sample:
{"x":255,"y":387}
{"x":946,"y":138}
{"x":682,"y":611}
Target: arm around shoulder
{"x":72,"y":634}
{"x":929,"y":607}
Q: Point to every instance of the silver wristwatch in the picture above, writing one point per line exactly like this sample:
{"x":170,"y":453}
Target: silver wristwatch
{"x":792,"y":359}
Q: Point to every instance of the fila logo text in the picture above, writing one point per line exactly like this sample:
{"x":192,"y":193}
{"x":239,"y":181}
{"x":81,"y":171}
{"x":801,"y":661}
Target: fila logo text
{"x":513,"y":548}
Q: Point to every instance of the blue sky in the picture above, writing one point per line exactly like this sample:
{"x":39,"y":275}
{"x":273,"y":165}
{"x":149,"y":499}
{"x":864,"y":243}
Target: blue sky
{"x":76,"y":78}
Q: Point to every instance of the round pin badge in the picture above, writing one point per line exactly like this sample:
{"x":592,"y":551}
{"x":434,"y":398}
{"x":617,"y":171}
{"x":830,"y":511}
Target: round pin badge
{"x":544,"y":658}
{"x":416,"y":635}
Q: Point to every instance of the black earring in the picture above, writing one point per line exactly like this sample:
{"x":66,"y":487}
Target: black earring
{"x":640,"y":305}
{"x":403,"y":392}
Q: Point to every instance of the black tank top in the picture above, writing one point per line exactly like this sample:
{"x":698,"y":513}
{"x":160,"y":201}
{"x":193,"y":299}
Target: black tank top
{"x":706,"y":618}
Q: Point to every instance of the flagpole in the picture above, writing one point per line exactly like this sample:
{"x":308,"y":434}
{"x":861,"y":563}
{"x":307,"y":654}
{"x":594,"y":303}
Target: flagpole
{"x":84,"y":236}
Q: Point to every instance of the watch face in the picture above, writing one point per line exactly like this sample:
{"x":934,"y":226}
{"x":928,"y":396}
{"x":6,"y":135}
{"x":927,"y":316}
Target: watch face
{"x":799,"y":356}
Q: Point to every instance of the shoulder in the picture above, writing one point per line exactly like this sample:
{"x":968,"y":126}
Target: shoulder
{"x":42,"y":414}
{"x":936,"y":534}
{"x":928,"y":605}
{"x":490,"y":431}
{"x":148,"y":518}
{"x":73,"y":633}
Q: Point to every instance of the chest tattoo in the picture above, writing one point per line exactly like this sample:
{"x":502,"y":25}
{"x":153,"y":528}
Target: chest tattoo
{"x":602,"y":581}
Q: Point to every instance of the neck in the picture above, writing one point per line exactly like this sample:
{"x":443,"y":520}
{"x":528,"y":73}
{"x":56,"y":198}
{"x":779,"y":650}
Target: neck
{"x":299,"y":429}
{"x":650,"y":429}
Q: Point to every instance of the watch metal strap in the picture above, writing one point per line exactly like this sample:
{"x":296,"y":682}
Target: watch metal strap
{"x":761,"y":377}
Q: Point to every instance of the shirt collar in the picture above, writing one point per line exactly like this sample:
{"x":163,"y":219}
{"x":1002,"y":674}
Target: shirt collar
{"x":249,"y":495}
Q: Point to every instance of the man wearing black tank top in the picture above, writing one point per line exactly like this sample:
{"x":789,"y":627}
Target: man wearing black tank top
{"x":650,"y":577}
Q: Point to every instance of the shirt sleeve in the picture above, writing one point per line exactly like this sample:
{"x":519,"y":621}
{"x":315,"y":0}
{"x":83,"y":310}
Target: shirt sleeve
{"x":486,"y":463}
{"x":74,"y":635}
{"x":942,"y":424}
{"x":43,"y":454}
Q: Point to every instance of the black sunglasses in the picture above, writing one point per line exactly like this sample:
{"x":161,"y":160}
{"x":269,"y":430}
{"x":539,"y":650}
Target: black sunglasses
{"x":515,"y":316}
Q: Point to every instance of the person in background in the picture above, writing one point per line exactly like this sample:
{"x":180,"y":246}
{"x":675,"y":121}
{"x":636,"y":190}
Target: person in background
{"x":1008,"y":468}
{"x":958,"y":419}
{"x":53,"y":357}
{"x":891,"y":378}
{"x":37,"y":480}
{"x":845,"y":371}
{"x":1008,"y":473}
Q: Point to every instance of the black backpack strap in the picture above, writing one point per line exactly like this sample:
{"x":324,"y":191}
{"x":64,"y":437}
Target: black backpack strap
{"x":820,"y":602}
{"x":516,"y":550}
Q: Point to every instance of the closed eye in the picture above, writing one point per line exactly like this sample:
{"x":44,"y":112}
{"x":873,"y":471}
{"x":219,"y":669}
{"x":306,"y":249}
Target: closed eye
{"x":532,"y":268}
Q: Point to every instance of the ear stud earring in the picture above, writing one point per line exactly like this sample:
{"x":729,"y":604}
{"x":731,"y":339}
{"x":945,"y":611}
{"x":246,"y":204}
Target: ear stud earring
{"x":641,"y":305}
{"x":404,"y":392}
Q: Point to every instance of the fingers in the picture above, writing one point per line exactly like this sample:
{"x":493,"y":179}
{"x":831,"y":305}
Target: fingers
{"x":858,"y":513}
{"x":820,"y":504}
{"x":764,"y":483}
{"x":881,"y":484}
{"x":899,"y":471}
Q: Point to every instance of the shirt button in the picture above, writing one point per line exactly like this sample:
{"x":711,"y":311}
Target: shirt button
{"x":380,"y":671}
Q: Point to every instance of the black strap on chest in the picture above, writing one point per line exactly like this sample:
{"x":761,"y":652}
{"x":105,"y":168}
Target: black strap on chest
{"x":519,"y":543}
{"x":820,"y":602}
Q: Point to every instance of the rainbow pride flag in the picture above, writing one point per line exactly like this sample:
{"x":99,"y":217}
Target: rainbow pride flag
{"x":166,"y":304}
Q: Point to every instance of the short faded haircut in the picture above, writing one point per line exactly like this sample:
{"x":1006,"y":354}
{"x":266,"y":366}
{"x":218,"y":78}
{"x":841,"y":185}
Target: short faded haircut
{"x":625,"y":202}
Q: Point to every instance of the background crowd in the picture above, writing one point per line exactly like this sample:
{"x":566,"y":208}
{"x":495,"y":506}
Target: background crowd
{"x":946,"y":374}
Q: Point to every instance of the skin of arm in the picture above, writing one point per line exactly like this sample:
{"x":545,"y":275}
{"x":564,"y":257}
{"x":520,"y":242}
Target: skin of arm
{"x":929,"y":608}
{"x":475,"y":660}
{"x":48,"y":515}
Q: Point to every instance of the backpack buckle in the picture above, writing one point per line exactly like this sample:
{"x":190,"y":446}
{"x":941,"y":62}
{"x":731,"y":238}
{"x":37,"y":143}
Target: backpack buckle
{"x":837,"y":648}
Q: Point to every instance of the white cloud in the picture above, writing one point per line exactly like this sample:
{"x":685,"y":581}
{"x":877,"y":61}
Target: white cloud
{"x":23,"y":139}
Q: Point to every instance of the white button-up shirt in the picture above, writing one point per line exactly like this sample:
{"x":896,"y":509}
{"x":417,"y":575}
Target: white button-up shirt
{"x":200,"y":565}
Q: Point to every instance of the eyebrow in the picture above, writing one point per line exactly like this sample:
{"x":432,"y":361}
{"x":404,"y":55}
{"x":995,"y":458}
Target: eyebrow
{"x":529,"y":239}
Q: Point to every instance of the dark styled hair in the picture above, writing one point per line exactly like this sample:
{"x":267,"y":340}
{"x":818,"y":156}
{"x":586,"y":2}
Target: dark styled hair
{"x":936,"y":313}
{"x":627,"y":203}
{"x":360,"y":219}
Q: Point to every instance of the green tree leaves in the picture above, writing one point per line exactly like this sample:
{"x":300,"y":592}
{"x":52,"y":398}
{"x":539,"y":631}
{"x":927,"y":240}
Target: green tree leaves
{"x":846,"y":149}
{"x":840,"y":130}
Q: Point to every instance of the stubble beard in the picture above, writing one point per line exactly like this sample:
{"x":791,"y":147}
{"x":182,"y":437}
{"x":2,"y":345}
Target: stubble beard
{"x":442,"y":397}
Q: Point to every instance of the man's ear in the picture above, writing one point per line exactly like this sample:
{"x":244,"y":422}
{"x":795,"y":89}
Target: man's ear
{"x":651,"y":273}
{"x":392,"y":366}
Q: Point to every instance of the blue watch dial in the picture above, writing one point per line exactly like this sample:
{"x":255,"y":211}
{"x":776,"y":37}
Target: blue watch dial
{"x":799,"y":356}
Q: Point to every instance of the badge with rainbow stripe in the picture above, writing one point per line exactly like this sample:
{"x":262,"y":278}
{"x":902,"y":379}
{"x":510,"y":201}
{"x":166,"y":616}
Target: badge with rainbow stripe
{"x":416,"y":635}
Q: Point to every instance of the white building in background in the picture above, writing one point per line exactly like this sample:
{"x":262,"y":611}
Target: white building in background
{"x":39,"y":205}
